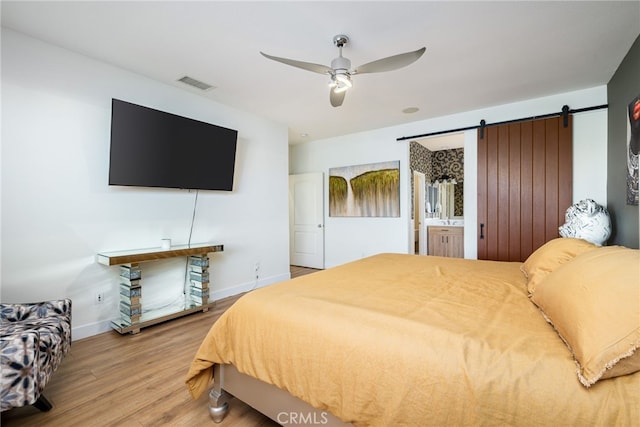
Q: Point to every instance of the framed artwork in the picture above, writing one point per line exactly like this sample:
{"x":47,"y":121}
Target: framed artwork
{"x":370,"y":190}
{"x":633,"y":146}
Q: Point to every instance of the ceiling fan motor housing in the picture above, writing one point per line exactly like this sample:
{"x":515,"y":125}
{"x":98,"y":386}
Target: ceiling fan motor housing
{"x":341,"y":63}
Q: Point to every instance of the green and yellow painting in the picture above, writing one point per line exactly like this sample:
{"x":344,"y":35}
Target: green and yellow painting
{"x":371,"y":190}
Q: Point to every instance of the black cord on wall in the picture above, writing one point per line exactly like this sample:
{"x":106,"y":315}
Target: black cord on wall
{"x":193,"y":218}
{"x":185,"y":288}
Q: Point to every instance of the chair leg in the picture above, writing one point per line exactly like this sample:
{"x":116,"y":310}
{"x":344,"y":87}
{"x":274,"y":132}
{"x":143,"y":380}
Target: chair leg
{"x":43,"y":404}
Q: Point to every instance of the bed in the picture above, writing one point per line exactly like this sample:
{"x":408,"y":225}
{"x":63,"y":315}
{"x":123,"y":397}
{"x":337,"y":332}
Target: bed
{"x":397,"y":339}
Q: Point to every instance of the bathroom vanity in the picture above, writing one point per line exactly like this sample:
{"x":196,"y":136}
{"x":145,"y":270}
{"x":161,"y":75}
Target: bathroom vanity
{"x":446,"y":240}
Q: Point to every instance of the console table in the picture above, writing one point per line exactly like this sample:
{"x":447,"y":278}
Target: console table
{"x":132,"y":317}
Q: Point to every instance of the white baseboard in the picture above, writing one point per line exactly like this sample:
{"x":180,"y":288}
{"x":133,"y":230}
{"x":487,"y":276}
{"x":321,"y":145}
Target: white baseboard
{"x":86,"y":331}
{"x":89,"y":330}
{"x":246,"y":287}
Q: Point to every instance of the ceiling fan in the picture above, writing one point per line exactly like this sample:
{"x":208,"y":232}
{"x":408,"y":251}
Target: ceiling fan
{"x":340,"y":70}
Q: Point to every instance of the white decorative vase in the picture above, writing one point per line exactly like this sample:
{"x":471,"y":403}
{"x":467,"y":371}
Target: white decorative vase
{"x":587,"y":220}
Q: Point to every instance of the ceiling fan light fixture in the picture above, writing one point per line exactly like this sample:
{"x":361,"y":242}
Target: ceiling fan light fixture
{"x":344,"y":80}
{"x":340,"y":82}
{"x":340,"y":89}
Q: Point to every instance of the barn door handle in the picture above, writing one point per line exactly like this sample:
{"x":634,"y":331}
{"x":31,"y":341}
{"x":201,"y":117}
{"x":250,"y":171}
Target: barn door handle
{"x":481,"y":231}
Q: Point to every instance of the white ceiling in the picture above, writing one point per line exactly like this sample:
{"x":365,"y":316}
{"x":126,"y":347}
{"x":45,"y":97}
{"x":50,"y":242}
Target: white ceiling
{"x":479,"y":54}
{"x":442,"y":142}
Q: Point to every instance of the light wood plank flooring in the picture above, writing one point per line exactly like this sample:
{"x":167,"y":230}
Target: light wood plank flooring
{"x":135,"y":380}
{"x":301,"y":271}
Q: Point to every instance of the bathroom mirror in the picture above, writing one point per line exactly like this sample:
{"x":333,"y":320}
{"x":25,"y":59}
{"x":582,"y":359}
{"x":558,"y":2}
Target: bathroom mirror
{"x":440,"y":199}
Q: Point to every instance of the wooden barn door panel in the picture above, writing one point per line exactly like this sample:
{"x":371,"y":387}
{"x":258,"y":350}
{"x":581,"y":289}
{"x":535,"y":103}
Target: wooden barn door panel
{"x":515,"y":190}
{"x":527,"y":191}
{"x":524,"y":186}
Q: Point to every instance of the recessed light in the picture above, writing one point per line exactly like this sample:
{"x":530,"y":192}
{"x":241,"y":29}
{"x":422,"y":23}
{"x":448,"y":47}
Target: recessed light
{"x":304,"y":135}
{"x":410,"y":110}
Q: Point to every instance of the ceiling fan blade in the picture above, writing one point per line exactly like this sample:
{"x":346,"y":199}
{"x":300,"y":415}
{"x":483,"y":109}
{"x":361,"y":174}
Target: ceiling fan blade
{"x":390,"y":63}
{"x":316,"y":68}
{"x":336,"y":98}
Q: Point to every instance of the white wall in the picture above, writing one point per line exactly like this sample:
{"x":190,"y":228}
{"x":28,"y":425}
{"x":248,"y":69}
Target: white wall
{"x":590,"y":155}
{"x":347,"y":239}
{"x":58,"y":211}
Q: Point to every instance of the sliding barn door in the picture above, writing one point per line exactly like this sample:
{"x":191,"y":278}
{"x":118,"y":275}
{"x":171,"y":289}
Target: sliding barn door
{"x":524,"y":186}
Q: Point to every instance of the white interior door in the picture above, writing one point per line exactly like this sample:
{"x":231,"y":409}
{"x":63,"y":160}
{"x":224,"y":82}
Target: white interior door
{"x":418,"y":212}
{"x":306,"y":220}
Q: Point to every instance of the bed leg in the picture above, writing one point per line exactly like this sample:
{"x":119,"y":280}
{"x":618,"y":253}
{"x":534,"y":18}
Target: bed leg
{"x":218,"y":405}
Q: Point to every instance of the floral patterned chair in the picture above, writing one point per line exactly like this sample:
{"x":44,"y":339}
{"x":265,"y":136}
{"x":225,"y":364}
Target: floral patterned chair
{"x":34,"y":338}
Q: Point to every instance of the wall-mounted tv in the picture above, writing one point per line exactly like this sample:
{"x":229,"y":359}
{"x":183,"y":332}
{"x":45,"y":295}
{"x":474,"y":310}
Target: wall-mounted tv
{"x":152,"y":148}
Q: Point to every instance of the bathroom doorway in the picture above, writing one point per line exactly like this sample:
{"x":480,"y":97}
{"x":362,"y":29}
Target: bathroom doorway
{"x":437,"y":185}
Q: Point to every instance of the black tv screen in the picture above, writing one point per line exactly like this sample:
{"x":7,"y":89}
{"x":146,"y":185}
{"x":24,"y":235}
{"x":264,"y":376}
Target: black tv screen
{"x":152,"y":148}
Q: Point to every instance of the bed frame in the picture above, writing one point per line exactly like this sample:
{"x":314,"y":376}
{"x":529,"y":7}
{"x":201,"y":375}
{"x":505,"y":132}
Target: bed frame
{"x":268,"y":399}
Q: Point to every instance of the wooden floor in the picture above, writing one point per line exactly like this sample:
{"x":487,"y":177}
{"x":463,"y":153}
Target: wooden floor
{"x":301,"y":271}
{"x":135,"y":380}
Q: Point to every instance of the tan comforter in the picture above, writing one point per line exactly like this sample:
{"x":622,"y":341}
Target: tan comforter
{"x":413,"y":340}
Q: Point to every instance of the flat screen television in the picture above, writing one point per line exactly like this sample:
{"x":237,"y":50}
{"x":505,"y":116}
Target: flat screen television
{"x":152,"y":148}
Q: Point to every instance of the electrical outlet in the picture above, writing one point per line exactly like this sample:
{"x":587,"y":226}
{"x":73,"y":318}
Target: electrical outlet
{"x":99,"y":297}
{"x":256,"y":269}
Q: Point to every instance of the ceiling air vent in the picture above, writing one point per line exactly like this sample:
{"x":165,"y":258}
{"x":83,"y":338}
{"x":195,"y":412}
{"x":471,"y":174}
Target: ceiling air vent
{"x":195,"y":83}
